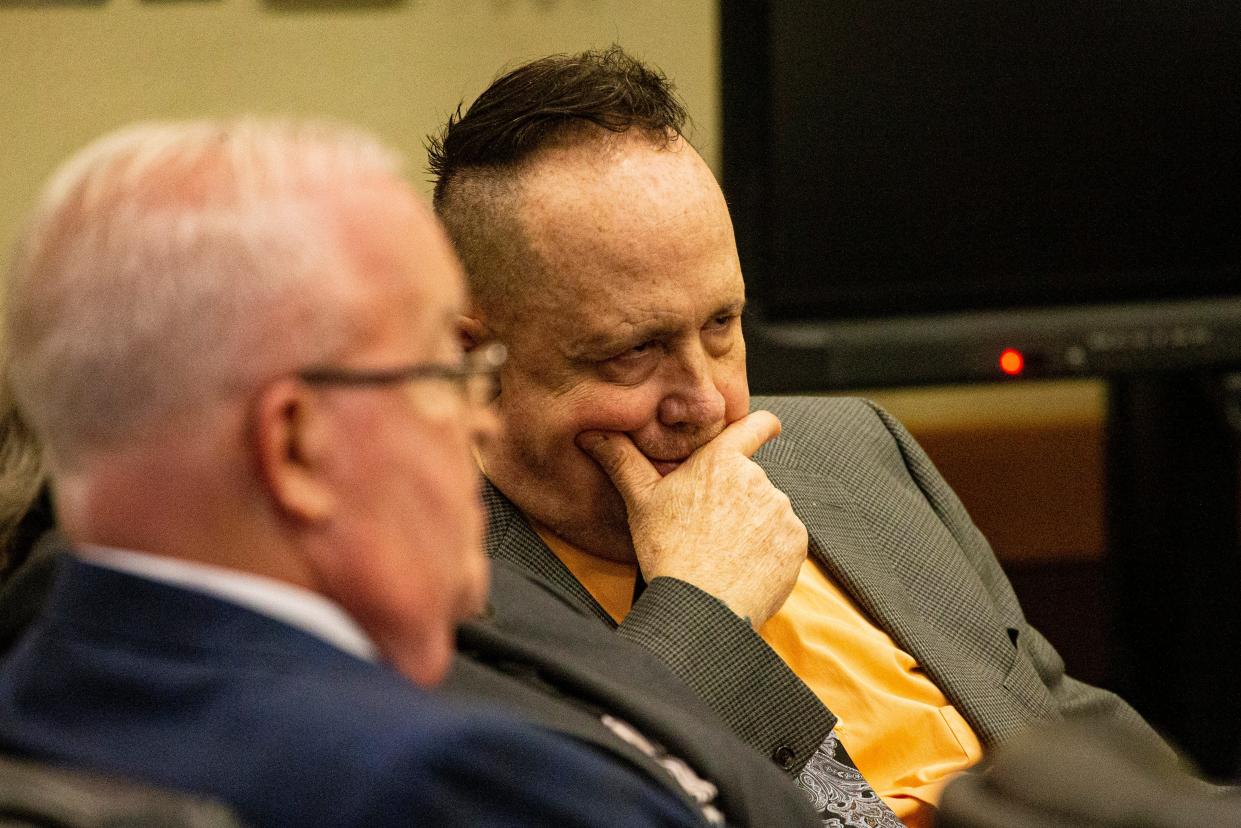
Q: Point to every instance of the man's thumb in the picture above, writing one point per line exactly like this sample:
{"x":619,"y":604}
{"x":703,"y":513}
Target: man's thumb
{"x":630,"y":472}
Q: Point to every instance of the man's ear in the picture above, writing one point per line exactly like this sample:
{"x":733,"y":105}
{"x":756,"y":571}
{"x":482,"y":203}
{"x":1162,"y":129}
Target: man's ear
{"x":474,"y":331}
{"x":294,"y":438}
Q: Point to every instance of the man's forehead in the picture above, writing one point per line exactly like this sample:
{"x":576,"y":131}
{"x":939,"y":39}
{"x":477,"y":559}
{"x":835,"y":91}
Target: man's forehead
{"x":590,"y":217}
{"x":623,"y":237}
{"x":610,"y":171}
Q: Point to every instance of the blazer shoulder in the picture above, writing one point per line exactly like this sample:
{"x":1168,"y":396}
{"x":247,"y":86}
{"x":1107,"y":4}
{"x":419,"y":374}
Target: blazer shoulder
{"x":830,"y":434}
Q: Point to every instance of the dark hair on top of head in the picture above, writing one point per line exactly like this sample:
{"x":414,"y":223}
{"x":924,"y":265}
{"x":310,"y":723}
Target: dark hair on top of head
{"x":525,"y":108}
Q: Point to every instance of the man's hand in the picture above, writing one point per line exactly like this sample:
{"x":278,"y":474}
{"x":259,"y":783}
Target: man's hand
{"x":715,"y":521}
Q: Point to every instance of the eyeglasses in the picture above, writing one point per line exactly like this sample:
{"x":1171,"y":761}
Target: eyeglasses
{"x":476,"y":378}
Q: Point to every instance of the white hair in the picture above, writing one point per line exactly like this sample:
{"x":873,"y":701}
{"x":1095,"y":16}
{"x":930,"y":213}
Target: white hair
{"x":168,"y":262}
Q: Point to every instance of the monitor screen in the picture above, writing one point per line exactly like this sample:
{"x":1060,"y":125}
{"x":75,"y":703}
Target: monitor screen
{"x":892,"y":163}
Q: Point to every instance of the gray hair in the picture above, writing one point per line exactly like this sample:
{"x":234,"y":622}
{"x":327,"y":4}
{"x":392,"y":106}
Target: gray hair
{"x":169,"y":263}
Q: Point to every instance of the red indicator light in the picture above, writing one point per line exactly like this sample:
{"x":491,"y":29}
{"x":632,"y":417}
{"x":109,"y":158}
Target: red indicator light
{"x":1012,"y":362}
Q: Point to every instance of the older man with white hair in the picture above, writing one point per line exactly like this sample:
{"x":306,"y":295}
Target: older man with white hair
{"x":237,"y":345}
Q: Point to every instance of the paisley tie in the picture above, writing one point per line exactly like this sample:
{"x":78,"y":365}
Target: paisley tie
{"x":839,"y":792}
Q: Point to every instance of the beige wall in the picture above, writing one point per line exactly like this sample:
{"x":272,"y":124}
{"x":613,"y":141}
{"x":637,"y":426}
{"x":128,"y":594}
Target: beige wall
{"x":71,"y":71}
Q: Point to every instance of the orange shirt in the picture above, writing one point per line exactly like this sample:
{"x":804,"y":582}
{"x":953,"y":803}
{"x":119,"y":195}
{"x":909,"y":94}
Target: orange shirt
{"x":902,"y":733}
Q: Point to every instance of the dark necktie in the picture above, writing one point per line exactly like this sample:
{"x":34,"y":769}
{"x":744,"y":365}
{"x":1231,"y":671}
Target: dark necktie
{"x":839,"y":792}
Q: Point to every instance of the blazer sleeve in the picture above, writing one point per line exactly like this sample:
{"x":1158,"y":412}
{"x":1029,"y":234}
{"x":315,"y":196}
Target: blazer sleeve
{"x":727,"y":664}
{"x":1070,"y":697}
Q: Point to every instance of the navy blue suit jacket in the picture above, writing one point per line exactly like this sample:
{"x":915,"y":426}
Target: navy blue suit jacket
{"x":179,"y":689}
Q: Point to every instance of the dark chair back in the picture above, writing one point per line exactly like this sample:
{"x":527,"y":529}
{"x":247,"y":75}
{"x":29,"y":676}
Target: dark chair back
{"x":34,"y":795}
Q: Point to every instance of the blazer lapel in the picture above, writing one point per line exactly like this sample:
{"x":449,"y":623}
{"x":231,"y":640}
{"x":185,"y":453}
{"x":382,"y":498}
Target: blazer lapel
{"x":843,"y":542}
{"x":915,"y":586}
{"x":511,"y":538}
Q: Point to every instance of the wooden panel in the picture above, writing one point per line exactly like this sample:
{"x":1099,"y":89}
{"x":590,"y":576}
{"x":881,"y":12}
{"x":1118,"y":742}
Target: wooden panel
{"x":1025,"y":458}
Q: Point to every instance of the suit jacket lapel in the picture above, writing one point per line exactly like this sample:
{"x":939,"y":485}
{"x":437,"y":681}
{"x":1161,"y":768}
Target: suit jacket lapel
{"x":843,"y":542}
{"x":913,"y":583}
{"x":510,"y":538}
{"x":553,"y":681}
{"x":547,"y":658}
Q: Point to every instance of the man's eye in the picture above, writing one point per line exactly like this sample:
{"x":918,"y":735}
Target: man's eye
{"x":720,"y":322}
{"x":636,"y":352}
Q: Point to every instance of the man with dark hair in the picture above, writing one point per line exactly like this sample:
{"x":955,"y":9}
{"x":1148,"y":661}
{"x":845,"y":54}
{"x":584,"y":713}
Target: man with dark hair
{"x":821,"y":589}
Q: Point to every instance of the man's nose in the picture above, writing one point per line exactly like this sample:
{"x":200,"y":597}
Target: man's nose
{"x":693,"y":396}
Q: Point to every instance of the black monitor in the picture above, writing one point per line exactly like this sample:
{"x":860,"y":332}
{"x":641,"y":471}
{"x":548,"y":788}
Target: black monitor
{"x":919,"y":187}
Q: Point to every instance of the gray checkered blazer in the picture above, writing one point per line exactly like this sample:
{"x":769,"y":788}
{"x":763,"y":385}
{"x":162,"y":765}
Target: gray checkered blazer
{"x":886,"y":526}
